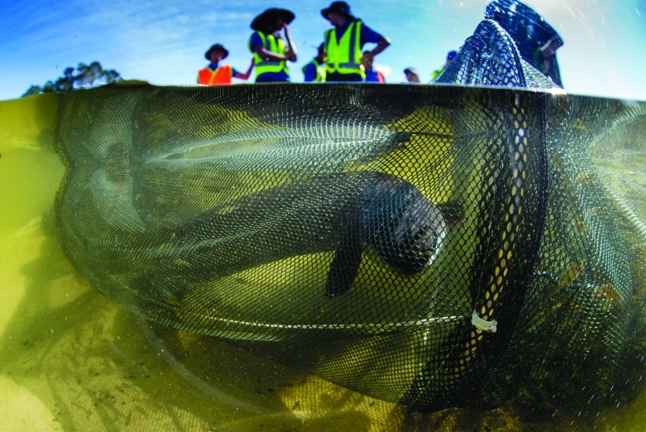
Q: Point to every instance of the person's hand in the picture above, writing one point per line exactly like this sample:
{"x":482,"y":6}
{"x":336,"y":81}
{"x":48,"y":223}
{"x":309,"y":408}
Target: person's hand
{"x":551,"y":46}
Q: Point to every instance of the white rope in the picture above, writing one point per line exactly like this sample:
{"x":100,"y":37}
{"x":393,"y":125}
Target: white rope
{"x":482,"y":324}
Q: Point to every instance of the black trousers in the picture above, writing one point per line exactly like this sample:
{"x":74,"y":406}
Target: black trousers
{"x":336,"y":76}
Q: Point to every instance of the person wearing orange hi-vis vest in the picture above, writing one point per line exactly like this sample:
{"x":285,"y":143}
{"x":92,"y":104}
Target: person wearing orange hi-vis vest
{"x":372,"y":75}
{"x":217,"y":74}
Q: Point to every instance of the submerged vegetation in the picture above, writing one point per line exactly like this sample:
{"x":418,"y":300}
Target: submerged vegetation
{"x":84,"y":76}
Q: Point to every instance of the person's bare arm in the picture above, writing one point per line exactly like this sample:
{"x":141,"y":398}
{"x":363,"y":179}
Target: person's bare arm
{"x":247,"y":74}
{"x":268,"y":55}
{"x":382,"y":44}
{"x":291,"y":48}
{"x":551,"y":46}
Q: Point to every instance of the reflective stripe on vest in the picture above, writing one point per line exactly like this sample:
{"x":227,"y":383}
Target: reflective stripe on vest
{"x":437,"y":73}
{"x":320,"y":71}
{"x":270,"y":43}
{"x":220,"y":76}
{"x":344,"y":56}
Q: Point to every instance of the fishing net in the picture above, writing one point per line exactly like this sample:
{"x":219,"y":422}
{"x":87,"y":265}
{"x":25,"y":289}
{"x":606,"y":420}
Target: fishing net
{"x":437,"y":246}
{"x":512,"y":47}
{"x":536,"y":40}
{"x":490,"y":57}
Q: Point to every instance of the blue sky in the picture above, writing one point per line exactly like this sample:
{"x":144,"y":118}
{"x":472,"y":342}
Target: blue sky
{"x":164,"y":41}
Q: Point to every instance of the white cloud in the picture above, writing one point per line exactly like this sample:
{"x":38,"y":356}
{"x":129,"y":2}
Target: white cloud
{"x":386,"y":70}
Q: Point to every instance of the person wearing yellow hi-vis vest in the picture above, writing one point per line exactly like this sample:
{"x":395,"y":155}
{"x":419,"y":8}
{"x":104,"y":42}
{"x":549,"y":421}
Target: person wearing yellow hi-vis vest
{"x":270,"y":51}
{"x":314,"y":71}
{"x":437,"y":73}
{"x":344,"y":42}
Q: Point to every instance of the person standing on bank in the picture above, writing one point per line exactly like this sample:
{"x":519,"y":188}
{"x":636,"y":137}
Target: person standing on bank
{"x":269,"y":50}
{"x":216,"y":74}
{"x":412,"y":76}
{"x":344,"y":42}
{"x":314,"y":71}
{"x":372,"y":75}
{"x":437,"y":73}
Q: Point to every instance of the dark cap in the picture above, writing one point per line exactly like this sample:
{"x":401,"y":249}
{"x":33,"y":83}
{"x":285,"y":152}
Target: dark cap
{"x":338,"y":6}
{"x":266,"y":20}
{"x":214,"y":48}
{"x":451,"y":55}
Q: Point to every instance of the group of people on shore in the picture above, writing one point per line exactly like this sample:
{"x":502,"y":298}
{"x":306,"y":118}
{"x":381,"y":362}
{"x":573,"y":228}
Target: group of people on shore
{"x":340,"y":57}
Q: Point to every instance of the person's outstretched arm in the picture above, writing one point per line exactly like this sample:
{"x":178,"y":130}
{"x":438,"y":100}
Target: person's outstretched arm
{"x":247,"y":74}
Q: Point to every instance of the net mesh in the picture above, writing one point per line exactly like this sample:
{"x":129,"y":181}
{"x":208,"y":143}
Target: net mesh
{"x":376,"y":246}
{"x":506,"y":50}
{"x":435,"y":246}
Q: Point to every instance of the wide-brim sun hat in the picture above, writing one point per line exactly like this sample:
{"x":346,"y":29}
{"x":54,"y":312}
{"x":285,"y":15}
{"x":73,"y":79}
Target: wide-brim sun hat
{"x":268,"y":18}
{"x":216,"y":47}
{"x":338,"y":6}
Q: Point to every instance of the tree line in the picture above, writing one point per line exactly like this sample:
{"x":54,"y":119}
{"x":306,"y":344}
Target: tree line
{"x":83,"y":76}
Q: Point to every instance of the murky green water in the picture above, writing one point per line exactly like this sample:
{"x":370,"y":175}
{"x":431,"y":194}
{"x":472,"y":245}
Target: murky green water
{"x":71,"y":359}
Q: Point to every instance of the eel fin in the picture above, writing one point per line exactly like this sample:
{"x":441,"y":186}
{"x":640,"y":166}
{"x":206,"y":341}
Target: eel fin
{"x":343,"y":270}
